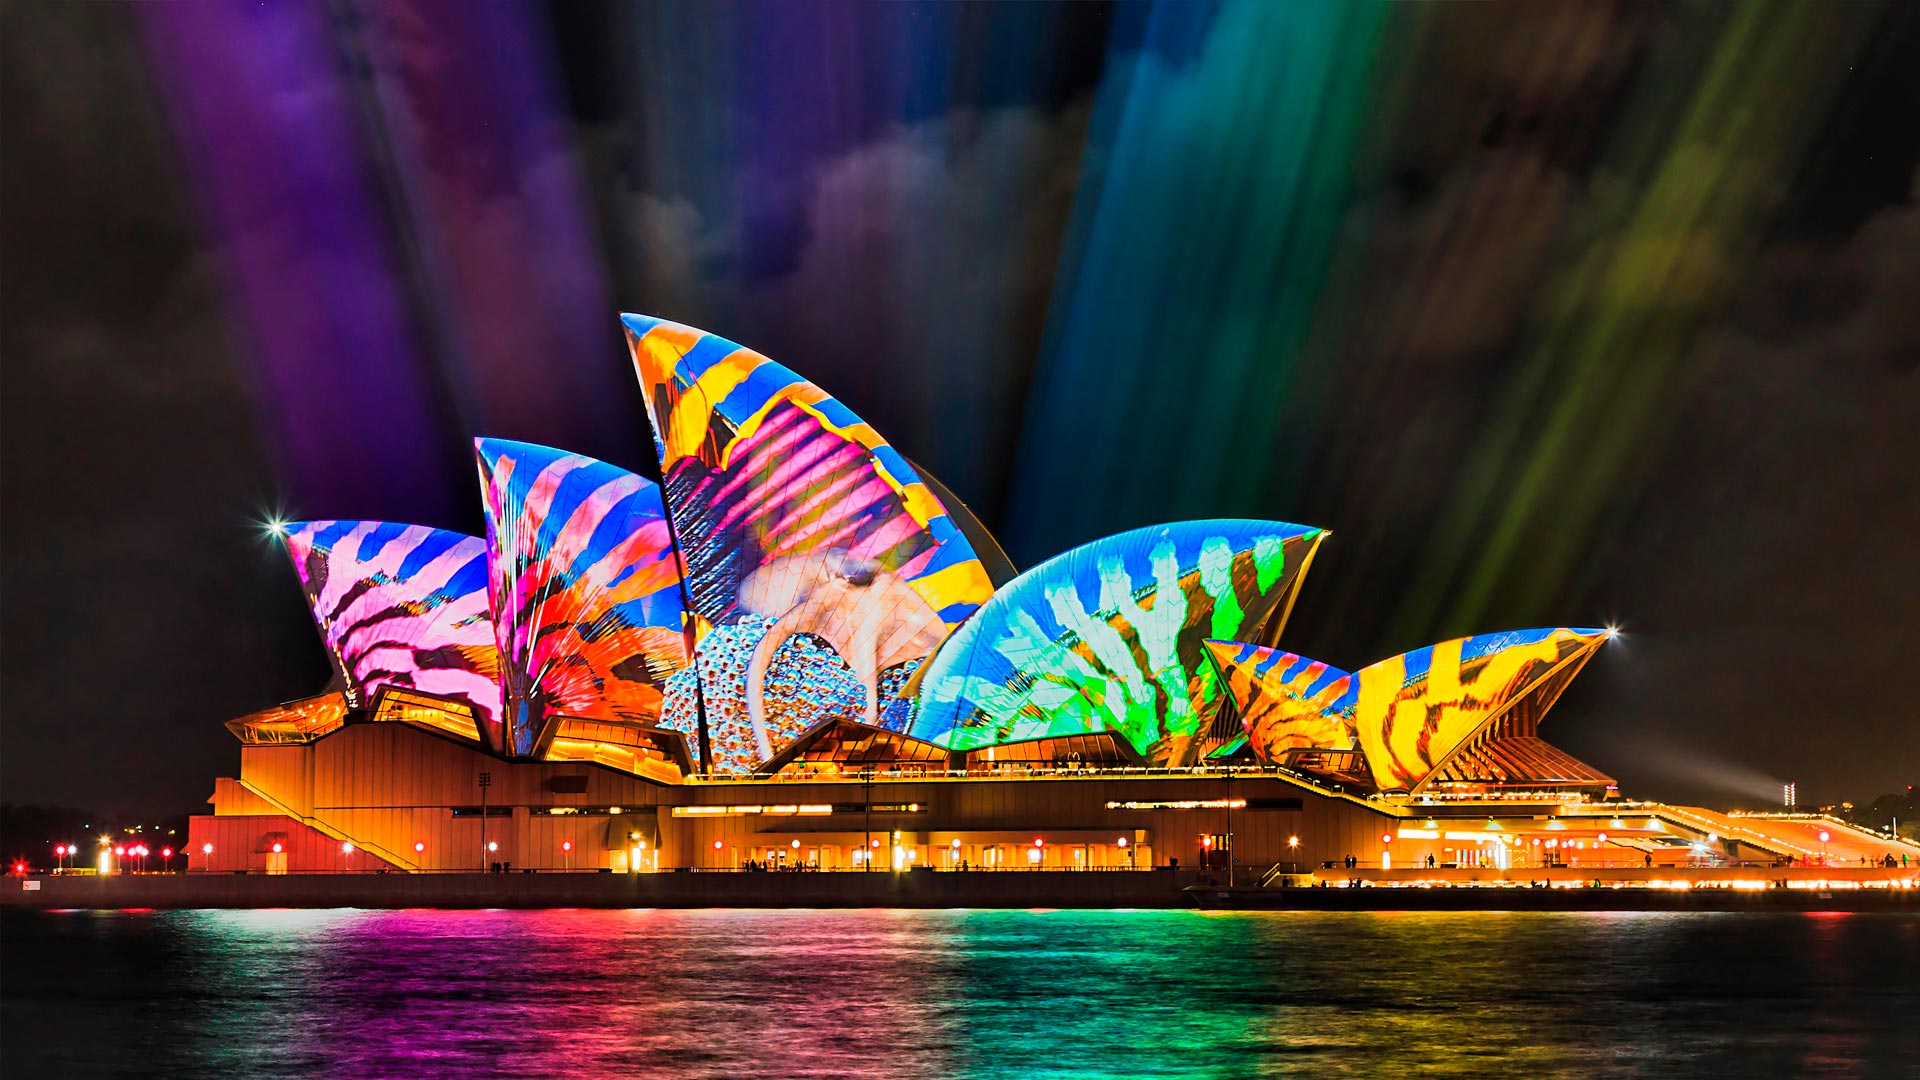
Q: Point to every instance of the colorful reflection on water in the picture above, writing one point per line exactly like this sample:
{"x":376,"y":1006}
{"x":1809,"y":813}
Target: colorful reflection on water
{"x":881,"y":993}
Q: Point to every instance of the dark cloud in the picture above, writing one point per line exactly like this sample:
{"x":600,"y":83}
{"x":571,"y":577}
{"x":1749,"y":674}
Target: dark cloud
{"x":1771,"y":562}
{"x":141,"y":606}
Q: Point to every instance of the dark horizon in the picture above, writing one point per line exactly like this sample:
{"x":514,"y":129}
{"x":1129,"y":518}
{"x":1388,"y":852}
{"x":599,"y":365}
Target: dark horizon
{"x":1552,"y":315}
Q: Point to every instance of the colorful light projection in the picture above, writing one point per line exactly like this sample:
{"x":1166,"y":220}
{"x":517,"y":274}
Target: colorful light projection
{"x":585,"y":589}
{"x":292,"y":722}
{"x":402,"y":606}
{"x":1108,"y":637}
{"x":805,"y":682}
{"x":1286,"y":702}
{"x":1408,"y":713}
{"x":788,"y":508}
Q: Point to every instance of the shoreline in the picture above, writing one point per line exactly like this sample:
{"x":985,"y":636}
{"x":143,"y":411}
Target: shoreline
{"x":1160,"y":888}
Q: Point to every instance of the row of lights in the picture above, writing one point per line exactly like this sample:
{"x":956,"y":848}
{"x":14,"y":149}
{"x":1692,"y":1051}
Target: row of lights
{"x":346,"y":848}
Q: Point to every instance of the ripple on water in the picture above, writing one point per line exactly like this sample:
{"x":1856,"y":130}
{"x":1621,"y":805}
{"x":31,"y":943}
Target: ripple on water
{"x":880,"y":993}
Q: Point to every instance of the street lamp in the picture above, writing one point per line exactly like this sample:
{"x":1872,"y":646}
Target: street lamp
{"x":1293,"y":850}
{"x":566,"y":854}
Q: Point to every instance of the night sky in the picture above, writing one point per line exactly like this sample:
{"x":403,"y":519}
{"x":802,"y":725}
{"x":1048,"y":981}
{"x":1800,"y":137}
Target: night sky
{"x":1555,"y":314}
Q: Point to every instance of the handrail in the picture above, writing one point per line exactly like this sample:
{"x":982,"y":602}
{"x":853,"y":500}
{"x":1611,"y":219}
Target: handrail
{"x":326,"y":830}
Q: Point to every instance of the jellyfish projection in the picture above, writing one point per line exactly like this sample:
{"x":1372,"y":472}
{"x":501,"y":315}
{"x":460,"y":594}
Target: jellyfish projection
{"x":1108,"y":636}
{"x":1474,"y":701}
{"x":584,"y":586}
{"x":402,"y":606}
{"x":790,"y":508}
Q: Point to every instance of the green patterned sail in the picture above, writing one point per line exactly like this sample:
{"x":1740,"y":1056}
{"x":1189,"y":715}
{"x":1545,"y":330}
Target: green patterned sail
{"x":1108,"y":636}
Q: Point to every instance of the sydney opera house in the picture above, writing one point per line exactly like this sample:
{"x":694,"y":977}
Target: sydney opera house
{"x":799,"y":650}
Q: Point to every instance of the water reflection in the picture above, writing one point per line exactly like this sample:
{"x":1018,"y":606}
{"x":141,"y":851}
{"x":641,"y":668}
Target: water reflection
{"x":844,"y":994}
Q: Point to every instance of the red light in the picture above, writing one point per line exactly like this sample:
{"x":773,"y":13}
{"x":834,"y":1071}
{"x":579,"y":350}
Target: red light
{"x":1037,"y":842}
{"x":876,"y":843}
{"x":566,"y":845}
{"x":276,"y":849}
{"x":418,"y":847}
{"x":716,"y":845}
{"x":166,"y":853}
{"x":1824,"y":837}
{"x":1386,"y":838}
{"x":1602,"y":838}
{"x":120,"y":852}
{"x":1208,"y":842}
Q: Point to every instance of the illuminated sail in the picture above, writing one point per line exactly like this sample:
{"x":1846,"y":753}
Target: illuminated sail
{"x":585,"y":589}
{"x":1409,"y":713}
{"x":1108,"y":636}
{"x":402,"y":606}
{"x":794,"y":518}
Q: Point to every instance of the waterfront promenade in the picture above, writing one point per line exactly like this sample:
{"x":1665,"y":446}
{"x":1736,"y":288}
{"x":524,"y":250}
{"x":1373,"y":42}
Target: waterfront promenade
{"x":1729,"y":888}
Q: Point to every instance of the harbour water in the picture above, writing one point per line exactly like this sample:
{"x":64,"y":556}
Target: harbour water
{"x":961,"y":993}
